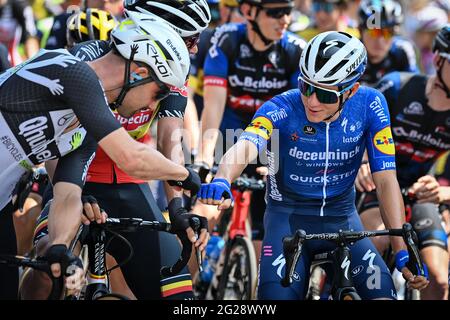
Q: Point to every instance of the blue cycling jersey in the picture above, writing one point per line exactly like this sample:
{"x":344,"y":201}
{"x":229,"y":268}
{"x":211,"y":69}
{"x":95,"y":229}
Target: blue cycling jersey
{"x":319,"y":162}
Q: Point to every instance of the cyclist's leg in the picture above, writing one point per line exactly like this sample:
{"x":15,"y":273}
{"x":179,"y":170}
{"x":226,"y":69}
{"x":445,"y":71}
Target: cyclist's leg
{"x":277,"y":224}
{"x":371,"y":219}
{"x":9,"y":276}
{"x":369,"y":271}
{"x":433,"y":249}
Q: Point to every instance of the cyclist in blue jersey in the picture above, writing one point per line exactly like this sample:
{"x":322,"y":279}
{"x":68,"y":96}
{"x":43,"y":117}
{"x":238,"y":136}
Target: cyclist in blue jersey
{"x":324,"y":126}
{"x":419,"y":106}
{"x":247,"y":64}
{"x":379,"y":23}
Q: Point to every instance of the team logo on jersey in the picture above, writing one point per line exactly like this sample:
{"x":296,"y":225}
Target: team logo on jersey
{"x":415,"y":108}
{"x":309,"y":130}
{"x":384,"y":142}
{"x":294,"y":136}
{"x":261,"y":126}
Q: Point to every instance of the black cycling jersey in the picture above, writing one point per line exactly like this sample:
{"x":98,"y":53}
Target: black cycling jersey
{"x":251,"y":77}
{"x":41,"y":101}
{"x":401,"y":57}
{"x":57,"y":38}
{"x":420,"y":133}
{"x":196,"y":71}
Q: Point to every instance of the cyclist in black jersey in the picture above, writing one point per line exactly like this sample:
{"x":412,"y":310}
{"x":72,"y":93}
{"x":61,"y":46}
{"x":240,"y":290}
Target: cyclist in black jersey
{"x":379,"y":23}
{"x":123,"y":196}
{"x":45,"y":117}
{"x":420,"y":119}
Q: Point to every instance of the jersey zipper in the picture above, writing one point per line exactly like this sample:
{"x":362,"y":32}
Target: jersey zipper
{"x":324,"y":189}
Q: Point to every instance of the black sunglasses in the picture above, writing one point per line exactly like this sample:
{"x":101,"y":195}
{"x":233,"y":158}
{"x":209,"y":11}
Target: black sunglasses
{"x":277,"y":13}
{"x":326,"y":96}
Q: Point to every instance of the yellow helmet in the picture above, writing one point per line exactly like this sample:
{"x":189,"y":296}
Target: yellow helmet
{"x":89,"y":24}
{"x":229,"y":3}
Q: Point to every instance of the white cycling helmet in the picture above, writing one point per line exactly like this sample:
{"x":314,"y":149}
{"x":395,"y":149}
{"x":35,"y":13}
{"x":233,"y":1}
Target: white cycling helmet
{"x":333,"y":59}
{"x":155,"y":44}
{"x":187,"y":17}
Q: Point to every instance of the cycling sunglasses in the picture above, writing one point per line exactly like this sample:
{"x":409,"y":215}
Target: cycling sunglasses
{"x":324,"y":6}
{"x":277,"y":13}
{"x":192,"y":41}
{"x":326,"y":96}
{"x":386,"y":33}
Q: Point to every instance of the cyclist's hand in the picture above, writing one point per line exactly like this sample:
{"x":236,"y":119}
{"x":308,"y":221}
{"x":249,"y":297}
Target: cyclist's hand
{"x":402,"y":264}
{"x":203,"y":169}
{"x":192,"y":182}
{"x":58,"y":255}
{"x":427,"y":189}
{"x":364,"y":180}
{"x":92,"y":211}
{"x":414,"y":282}
{"x":75,"y":282}
{"x":180,"y":221}
{"x":217,"y":192}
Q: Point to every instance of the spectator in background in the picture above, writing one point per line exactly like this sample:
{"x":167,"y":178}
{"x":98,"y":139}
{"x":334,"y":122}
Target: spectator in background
{"x":429,"y":21}
{"x":17,"y":26}
{"x":328,"y":15}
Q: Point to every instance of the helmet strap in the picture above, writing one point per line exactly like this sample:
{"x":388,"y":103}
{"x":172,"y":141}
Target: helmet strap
{"x":257,"y":30}
{"x":127,"y":83}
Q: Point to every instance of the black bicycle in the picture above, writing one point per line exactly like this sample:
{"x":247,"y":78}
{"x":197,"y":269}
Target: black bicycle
{"x":94,"y":236}
{"x":342,"y":287}
{"x":95,"y":239}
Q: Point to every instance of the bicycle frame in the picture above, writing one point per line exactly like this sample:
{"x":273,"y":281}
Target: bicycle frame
{"x":343,"y":283}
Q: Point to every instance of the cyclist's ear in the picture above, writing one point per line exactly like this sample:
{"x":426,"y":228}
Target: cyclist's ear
{"x":139,"y":72}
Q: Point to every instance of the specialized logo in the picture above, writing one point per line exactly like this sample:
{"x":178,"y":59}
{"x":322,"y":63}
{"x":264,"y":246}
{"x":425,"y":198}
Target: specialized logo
{"x":357,"y":62}
{"x":261,"y":126}
{"x":309,"y":130}
{"x":384,"y":142}
{"x":415,"y":108}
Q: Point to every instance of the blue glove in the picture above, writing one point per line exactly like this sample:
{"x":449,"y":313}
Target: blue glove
{"x":401,"y":261}
{"x":215,"y":190}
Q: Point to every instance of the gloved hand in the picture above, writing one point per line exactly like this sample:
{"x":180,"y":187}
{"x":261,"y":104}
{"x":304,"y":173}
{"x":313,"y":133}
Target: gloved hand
{"x":180,"y":221}
{"x":212,"y":193}
{"x":192,"y":182}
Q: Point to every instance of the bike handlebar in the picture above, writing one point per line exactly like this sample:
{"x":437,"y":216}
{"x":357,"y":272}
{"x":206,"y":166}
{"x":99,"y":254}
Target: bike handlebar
{"x":133,"y":224}
{"x":292,"y":246}
{"x":244,"y":183}
{"x":40,"y":264}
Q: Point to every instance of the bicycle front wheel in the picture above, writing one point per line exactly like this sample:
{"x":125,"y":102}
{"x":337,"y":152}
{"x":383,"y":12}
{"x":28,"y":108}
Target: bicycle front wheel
{"x":238,"y":279}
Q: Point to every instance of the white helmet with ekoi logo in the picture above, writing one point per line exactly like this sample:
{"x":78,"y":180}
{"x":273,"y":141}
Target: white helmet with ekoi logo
{"x":155,"y":44}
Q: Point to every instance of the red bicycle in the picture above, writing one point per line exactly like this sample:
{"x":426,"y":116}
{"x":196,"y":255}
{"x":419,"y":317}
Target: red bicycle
{"x":236,"y":270}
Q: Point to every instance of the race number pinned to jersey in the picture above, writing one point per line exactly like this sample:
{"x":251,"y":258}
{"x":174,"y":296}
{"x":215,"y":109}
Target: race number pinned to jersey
{"x":384,"y":142}
{"x":261,"y":126}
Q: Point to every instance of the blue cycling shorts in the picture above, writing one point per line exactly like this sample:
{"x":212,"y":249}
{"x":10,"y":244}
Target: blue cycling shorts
{"x":370,"y":274}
